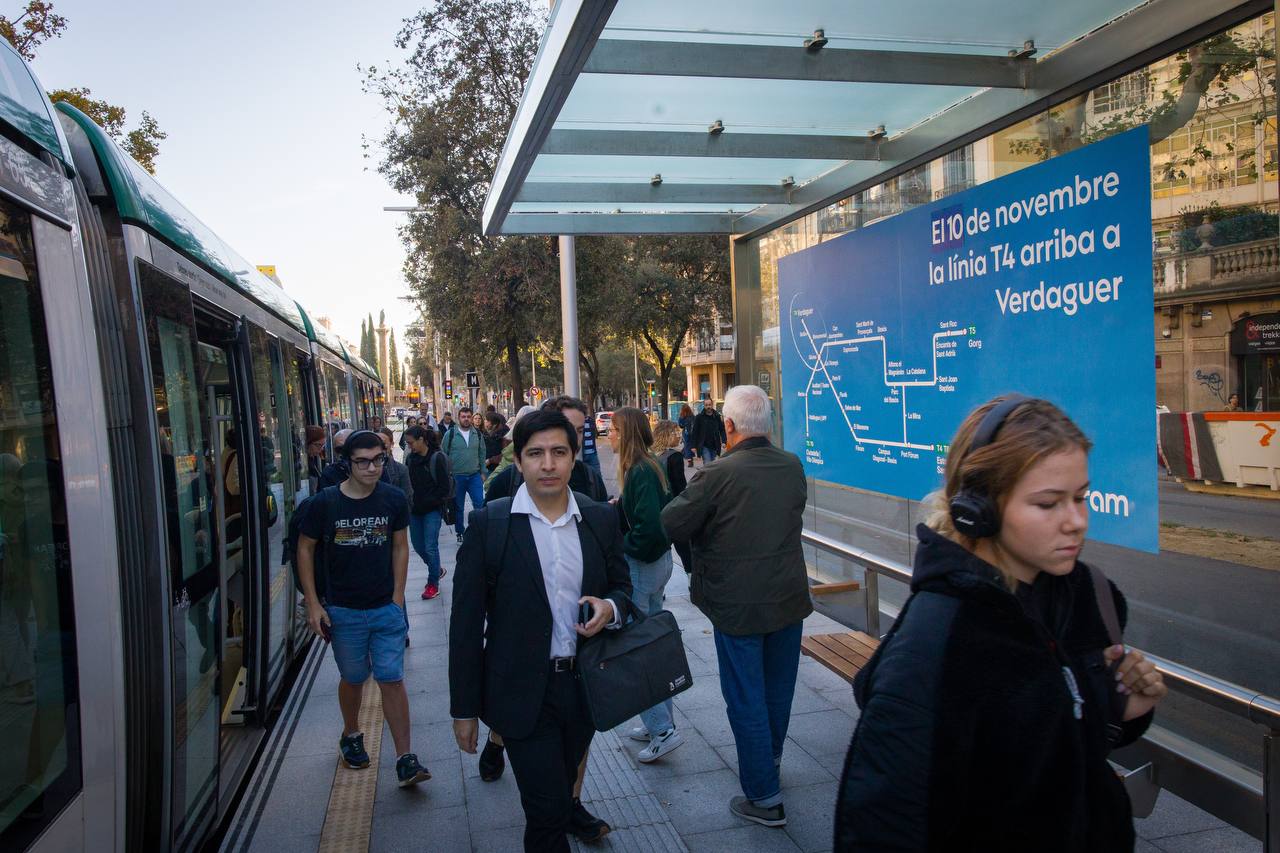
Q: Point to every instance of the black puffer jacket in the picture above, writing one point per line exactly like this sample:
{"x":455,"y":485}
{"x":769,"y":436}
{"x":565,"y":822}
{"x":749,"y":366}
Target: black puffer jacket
{"x":969,"y":738}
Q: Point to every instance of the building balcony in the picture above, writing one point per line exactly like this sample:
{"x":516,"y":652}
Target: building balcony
{"x":1234,"y":267}
{"x":708,"y":350}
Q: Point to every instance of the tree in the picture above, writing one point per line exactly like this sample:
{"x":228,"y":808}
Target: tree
{"x":369,"y":343}
{"x":393,"y":362}
{"x":603,"y":287}
{"x":450,"y":105}
{"x":677,"y":283}
{"x":37,"y":24}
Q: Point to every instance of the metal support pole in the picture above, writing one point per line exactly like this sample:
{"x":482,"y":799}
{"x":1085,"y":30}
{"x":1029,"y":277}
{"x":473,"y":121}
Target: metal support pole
{"x":1271,"y":790}
{"x":569,"y":315}
{"x":871,"y":589}
{"x":635,"y":354}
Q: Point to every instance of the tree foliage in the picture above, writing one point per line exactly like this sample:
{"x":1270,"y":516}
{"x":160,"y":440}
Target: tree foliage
{"x":35,"y":25}
{"x":38,"y":23}
{"x":393,"y":363}
{"x":450,"y":105}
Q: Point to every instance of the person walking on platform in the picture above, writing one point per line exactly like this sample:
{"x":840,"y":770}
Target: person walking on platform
{"x":648,"y":551}
{"x":337,"y":471}
{"x":446,"y":421}
{"x":707,"y":435}
{"x":464,"y":445}
{"x":508,"y":450}
{"x":583,"y":480}
{"x":398,"y":473}
{"x":526,"y":566}
{"x":667,"y":444}
{"x":314,"y":436}
{"x":990,"y":708}
{"x":686,"y":429}
{"x":744,"y":516}
{"x":494,"y":440}
{"x":590,"y":455}
{"x":361,"y":526}
{"x":429,"y":474}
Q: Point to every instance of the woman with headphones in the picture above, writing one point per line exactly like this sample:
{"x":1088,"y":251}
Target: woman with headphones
{"x":989,"y":709}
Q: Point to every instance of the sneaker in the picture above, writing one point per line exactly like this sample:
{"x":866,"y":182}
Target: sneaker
{"x":409,"y":771}
{"x":640,"y":733}
{"x":660,"y":746}
{"x":585,"y":826}
{"x":443,"y":572}
{"x":772,"y":816}
{"x":459,"y":538}
{"x":352,"y":749}
{"x":430,"y":592}
{"x":491,"y":762}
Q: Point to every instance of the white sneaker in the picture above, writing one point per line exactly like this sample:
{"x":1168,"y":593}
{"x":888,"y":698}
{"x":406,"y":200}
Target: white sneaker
{"x":660,"y":746}
{"x":640,"y":733}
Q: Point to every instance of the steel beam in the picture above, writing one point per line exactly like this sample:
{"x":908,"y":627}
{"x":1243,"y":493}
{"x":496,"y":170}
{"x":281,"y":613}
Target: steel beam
{"x":662,"y":143}
{"x":771,"y":62}
{"x":636,"y":193}
{"x":1156,"y":28}
{"x":618,"y":223}
{"x":574,"y":28}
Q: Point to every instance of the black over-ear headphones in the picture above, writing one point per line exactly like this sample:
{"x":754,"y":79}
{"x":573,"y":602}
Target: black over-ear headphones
{"x":973,"y":512}
{"x":345,"y":449}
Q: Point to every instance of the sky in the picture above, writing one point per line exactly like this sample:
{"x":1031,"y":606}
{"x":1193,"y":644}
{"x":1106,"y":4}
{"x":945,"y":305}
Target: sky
{"x":263,"y":106}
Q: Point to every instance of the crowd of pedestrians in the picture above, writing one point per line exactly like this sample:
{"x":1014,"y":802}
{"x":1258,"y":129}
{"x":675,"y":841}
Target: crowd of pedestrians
{"x":987,"y":713}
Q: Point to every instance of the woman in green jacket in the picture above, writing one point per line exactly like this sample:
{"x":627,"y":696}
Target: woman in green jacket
{"x":648,"y":550}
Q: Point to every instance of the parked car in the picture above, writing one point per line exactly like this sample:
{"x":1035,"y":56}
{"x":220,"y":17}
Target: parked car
{"x":604,"y":421}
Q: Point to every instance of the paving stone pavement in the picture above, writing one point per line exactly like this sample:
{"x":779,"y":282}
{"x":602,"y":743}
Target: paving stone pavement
{"x":678,"y":803}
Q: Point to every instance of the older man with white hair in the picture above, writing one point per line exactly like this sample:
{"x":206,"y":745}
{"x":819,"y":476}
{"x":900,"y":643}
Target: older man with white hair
{"x":743,"y":515}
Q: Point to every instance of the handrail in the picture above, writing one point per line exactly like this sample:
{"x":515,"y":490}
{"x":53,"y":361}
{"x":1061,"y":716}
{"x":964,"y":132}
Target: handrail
{"x":1240,"y":701}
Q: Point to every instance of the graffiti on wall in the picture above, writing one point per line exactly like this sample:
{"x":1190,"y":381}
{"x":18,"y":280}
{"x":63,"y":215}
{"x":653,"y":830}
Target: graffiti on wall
{"x":1213,"y":382}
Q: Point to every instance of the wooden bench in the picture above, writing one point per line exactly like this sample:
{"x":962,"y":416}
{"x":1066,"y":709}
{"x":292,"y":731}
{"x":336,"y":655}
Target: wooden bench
{"x":843,"y":654}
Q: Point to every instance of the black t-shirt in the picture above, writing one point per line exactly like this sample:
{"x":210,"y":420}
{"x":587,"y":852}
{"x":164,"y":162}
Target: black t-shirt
{"x":359,"y":555}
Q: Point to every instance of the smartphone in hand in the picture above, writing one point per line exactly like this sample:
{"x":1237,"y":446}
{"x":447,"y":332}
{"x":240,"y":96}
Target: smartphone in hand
{"x":326,"y":631}
{"x":585,"y":613}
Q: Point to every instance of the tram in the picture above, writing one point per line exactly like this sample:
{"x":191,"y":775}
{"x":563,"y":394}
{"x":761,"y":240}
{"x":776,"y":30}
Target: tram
{"x":155,"y":391}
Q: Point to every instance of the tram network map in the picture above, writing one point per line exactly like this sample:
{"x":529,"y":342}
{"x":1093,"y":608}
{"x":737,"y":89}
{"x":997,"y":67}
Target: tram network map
{"x":1039,"y":282}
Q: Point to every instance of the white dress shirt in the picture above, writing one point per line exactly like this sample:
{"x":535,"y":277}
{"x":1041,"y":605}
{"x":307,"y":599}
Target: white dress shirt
{"x":560,"y":555}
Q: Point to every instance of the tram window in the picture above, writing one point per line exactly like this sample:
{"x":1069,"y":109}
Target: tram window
{"x":39,"y":706}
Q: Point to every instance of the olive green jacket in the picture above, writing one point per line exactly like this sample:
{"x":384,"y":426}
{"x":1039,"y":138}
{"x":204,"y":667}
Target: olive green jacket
{"x":743,"y":515}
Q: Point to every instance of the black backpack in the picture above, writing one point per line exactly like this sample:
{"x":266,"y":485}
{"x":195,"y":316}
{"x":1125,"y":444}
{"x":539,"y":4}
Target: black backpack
{"x":326,"y":501}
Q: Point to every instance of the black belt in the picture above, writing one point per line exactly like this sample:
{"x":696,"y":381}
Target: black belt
{"x":562,"y":664}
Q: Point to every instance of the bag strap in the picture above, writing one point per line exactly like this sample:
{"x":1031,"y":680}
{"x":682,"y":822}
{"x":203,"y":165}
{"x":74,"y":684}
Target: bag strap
{"x":448,"y":441}
{"x":1106,"y":605}
{"x":1107,"y":610}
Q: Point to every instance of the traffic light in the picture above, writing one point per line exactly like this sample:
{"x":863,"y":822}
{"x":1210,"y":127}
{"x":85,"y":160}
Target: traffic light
{"x":448,"y":387}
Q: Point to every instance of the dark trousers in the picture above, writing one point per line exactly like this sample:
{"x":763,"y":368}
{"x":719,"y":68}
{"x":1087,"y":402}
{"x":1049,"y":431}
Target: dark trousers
{"x":546,"y":764}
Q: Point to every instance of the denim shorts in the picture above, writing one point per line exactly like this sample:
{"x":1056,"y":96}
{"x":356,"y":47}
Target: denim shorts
{"x":365,"y":640}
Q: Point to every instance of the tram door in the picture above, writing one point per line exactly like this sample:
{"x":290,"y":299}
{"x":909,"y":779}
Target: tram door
{"x":187,"y":471}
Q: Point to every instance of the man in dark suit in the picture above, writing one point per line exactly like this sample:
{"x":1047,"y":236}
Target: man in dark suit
{"x":548,"y":552}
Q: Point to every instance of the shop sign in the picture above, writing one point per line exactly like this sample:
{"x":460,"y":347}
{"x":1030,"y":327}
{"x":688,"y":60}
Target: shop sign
{"x":1260,"y":333}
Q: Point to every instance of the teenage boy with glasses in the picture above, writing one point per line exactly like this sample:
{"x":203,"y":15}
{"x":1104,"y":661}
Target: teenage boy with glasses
{"x":363,"y":524}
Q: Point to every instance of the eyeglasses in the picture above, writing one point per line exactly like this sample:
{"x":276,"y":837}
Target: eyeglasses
{"x":366,"y":464}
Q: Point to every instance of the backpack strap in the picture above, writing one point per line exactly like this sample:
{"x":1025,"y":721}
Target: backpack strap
{"x":448,"y":441}
{"x":497,"y":528}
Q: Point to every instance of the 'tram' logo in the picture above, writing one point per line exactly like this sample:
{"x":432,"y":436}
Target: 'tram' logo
{"x":1107,"y":503}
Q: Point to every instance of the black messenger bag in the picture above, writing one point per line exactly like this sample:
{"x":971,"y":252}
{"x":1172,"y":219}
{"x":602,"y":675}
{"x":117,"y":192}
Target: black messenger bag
{"x":632,"y":669}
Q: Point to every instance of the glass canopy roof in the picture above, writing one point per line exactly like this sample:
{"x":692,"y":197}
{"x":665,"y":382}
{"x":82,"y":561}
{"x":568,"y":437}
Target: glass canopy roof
{"x":731,"y":116}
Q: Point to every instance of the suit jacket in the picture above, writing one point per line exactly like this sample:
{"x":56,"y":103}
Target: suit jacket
{"x":500,"y":638}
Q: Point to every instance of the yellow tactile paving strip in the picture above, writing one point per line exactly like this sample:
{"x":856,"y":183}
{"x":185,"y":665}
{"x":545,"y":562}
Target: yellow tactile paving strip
{"x":349,"y":818}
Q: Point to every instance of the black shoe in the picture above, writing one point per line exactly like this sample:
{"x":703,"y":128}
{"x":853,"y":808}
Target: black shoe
{"x":771,"y":816}
{"x":585,"y":826}
{"x":491,"y":762}
{"x":459,"y":538}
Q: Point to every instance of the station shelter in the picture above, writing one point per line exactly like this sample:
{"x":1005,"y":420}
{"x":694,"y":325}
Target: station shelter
{"x":789,"y":126}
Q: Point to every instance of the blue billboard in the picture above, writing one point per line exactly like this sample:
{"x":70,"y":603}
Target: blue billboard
{"x":1039,"y":282}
